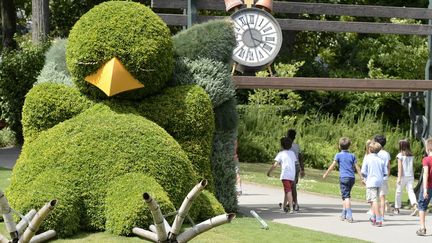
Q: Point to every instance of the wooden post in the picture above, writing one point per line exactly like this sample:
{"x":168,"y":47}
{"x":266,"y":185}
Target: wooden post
{"x":191,"y":13}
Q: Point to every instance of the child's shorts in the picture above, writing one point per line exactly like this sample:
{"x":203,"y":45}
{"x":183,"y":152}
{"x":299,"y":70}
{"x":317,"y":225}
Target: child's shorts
{"x":287,"y":184}
{"x":346,"y":184}
{"x":384,"y":188}
{"x":372,"y":193}
{"x":424,"y":202}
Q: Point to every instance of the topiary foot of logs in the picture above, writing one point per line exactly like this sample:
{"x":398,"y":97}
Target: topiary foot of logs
{"x":25,"y":230}
{"x":161,"y":231}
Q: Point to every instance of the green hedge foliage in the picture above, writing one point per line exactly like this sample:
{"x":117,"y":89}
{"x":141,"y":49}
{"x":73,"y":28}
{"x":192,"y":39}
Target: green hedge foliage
{"x":97,"y":146}
{"x":205,"y":206}
{"x":48,"y":104}
{"x":129,"y":31}
{"x":224,"y":169}
{"x":213,"y":76}
{"x":226,"y":116}
{"x":43,"y":187}
{"x":55,"y":69}
{"x":214,"y":40}
{"x":18,"y":72}
{"x":125,"y":206}
{"x":186,"y":113}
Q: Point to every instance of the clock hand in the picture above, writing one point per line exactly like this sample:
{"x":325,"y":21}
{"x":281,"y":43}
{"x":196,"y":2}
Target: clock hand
{"x":250,"y":32}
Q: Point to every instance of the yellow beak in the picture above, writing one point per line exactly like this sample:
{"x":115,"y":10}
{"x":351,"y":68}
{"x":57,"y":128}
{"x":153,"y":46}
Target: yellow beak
{"x":113,"y":78}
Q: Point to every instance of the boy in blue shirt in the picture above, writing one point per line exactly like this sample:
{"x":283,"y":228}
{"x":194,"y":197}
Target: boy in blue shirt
{"x":374,"y":169}
{"x":347,"y":164}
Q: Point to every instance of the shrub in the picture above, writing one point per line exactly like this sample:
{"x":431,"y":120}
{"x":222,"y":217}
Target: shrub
{"x":97,"y":146}
{"x":7,"y":137}
{"x":213,"y":76}
{"x":129,"y":31}
{"x":121,"y":216}
{"x":49,"y":184}
{"x":55,"y":69}
{"x":186,"y":113}
{"x":49,"y":104}
{"x":205,"y":206}
{"x":224,"y":169}
{"x":18,"y":72}
{"x":214,"y":40}
{"x":226,"y":116}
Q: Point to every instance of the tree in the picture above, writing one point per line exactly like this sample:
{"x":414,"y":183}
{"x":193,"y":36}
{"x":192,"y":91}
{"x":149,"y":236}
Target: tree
{"x":40,"y":20}
{"x":8,"y":14}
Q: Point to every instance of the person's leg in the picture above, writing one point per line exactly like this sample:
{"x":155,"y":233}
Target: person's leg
{"x":350,"y":184}
{"x":294,"y":188}
{"x":344,"y":193}
{"x":422,"y":206}
{"x":398,"y":195}
{"x":290,"y":201}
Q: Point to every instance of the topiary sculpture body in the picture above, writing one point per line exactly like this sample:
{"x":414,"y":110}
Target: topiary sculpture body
{"x":98,"y":154}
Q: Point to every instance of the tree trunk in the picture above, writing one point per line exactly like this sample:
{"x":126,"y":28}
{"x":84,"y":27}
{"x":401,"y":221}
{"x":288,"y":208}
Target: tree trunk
{"x":8,"y":14}
{"x":40,"y":20}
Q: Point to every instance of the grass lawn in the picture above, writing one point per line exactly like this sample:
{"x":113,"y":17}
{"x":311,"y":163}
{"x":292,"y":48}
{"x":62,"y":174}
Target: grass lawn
{"x":313,"y":181}
{"x":4,"y":178}
{"x":241,"y":229}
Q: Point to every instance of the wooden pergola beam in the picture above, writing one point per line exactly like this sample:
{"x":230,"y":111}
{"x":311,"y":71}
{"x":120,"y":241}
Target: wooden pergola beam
{"x":332,"y":84}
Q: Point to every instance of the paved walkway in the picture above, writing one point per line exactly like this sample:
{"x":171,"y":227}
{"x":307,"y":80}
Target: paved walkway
{"x":322,"y":214}
{"x":8,"y":156}
{"x":316,"y":212}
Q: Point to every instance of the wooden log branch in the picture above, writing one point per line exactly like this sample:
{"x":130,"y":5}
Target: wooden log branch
{"x":204,"y":226}
{"x":22,"y":225}
{"x":333,"y":84}
{"x":155,"y":235}
{"x":8,"y":218}
{"x":43,"y":236}
{"x":158,"y":219}
{"x":184,"y":208}
{"x":37,"y":221}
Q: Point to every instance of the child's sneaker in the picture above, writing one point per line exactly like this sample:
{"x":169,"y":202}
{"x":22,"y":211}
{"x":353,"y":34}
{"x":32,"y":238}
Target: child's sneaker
{"x":372,"y":220}
{"x":350,"y":220}
{"x":296,"y":207}
{"x":286,"y":209}
{"x":378,"y":223}
{"x":421,"y":232}
{"x":396,"y":211}
{"x":291,"y":211}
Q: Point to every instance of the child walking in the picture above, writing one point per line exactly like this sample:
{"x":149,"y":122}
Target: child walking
{"x":426,"y":188}
{"x":347,"y":164}
{"x":374,"y":171}
{"x":405,"y":176}
{"x":291,"y":134}
{"x":385,"y":156}
{"x":287,"y":160}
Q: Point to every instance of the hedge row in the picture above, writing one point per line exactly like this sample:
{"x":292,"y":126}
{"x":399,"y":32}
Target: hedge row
{"x":70,"y":147}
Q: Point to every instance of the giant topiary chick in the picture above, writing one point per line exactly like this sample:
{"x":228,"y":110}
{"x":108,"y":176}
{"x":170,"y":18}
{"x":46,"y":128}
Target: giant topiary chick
{"x":94,"y":143}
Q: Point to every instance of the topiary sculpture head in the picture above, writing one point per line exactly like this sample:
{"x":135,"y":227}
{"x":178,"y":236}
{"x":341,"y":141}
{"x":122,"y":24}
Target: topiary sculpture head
{"x":128,"y":31}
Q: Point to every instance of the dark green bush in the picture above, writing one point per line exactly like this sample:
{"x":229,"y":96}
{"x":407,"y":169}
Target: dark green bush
{"x":48,"y":104}
{"x":186,"y":113}
{"x":205,"y":206}
{"x":214,"y":40}
{"x":55,"y":69}
{"x":226,"y":116}
{"x":125,"y":206}
{"x":97,"y":146}
{"x":224,"y":169}
{"x":129,"y":31}
{"x":213,"y":76}
{"x":43,"y":187}
{"x":18,"y":72}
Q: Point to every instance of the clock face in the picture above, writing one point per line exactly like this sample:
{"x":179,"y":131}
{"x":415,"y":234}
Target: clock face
{"x":258,"y":36}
